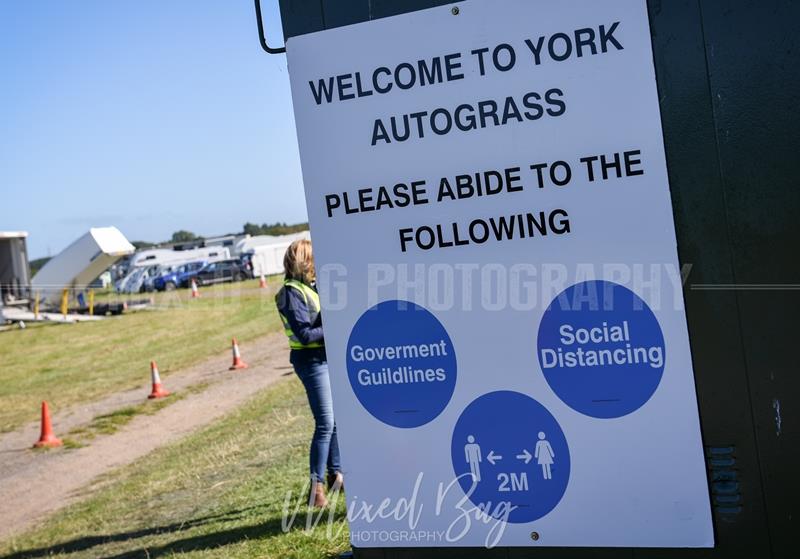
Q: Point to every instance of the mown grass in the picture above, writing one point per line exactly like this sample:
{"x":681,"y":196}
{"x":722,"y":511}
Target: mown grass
{"x":216,"y":494}
{"x":110,"y":423}
{"x":68,"y":364}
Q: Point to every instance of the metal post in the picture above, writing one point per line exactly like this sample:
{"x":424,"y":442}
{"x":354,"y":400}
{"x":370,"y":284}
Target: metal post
{"x":64,"y":302}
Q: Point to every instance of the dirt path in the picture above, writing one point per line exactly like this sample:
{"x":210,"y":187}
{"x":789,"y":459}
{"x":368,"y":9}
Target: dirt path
{"x":33,"y":484}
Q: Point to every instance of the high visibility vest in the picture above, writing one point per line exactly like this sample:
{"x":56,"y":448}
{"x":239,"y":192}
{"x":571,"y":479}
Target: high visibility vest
{"x":311,"y":299}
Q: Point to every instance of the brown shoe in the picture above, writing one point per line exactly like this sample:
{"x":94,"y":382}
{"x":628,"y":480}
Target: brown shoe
{"x":335,"y":481}
{"x":317,"y":497}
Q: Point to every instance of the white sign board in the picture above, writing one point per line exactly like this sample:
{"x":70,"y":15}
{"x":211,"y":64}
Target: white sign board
{"x":503,"y":313}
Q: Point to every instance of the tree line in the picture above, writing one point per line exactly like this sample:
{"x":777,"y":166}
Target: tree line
{"x":253,"y":229}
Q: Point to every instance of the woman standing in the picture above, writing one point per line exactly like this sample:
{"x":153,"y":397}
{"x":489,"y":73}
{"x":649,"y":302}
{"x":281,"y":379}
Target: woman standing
{"x":299,"y":308}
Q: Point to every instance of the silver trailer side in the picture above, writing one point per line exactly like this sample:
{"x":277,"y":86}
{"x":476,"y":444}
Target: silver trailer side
{"x":15,"y":274}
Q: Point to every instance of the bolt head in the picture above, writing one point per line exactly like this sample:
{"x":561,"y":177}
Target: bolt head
{"x":454,"y":10}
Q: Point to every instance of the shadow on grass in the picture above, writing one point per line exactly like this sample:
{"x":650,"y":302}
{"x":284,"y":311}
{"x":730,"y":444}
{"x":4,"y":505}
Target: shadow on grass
{"x":270,"y":528}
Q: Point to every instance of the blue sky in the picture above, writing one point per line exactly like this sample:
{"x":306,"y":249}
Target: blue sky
{"x":150,"y":115}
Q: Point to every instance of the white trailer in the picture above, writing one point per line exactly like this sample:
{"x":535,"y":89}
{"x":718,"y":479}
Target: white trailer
{"x":265,"y":253}
{"x":248,"y":244}
{"x":158,"y":256}
{"x":79,"y":264}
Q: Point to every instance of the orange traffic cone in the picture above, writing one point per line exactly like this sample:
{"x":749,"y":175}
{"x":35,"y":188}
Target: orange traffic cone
{"x":47,"y":438}
{"x":195,"y":291}
{"x":262,"y":283}
{"x":158,"y":390}
{"x":237,"y":357}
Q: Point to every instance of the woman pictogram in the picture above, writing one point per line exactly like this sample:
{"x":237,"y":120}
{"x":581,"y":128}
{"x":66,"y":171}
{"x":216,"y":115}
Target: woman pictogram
{"x":544,"y":455}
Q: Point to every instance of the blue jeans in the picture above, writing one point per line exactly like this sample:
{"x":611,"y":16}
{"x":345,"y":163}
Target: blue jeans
{"x":324,"y":444}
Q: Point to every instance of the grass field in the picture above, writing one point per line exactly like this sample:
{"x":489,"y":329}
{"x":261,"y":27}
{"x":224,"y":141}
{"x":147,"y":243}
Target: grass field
{"x":218,"y":493}
{"x":68,"y":364}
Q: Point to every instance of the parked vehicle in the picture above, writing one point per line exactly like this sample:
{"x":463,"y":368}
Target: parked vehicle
{"x":154,"y":258}
{"x":223,"y":271}
{"x":180,"y":276}
{"x":136,"y":282}
{"x":161,"y":270}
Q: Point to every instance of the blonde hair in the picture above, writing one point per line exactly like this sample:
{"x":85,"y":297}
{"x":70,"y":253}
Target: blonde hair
{"x":298,"y":262}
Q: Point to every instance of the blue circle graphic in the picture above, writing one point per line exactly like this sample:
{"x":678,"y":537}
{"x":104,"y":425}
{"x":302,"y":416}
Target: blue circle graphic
{"x":401,"y":364}
{"x":510,"y":456}
{"x":601,"y":349}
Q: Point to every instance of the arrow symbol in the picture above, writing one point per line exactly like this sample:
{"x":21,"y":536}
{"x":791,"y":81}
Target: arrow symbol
{"x":492,"y":457}
{"x":526,"y":456}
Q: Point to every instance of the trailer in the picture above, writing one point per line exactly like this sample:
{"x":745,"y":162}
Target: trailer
{"x":248,"y":244}
{"x":80,"y":263}
{"x":157,"y":256}
{"x":264,"y":253}
{"x":15,"y":275}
